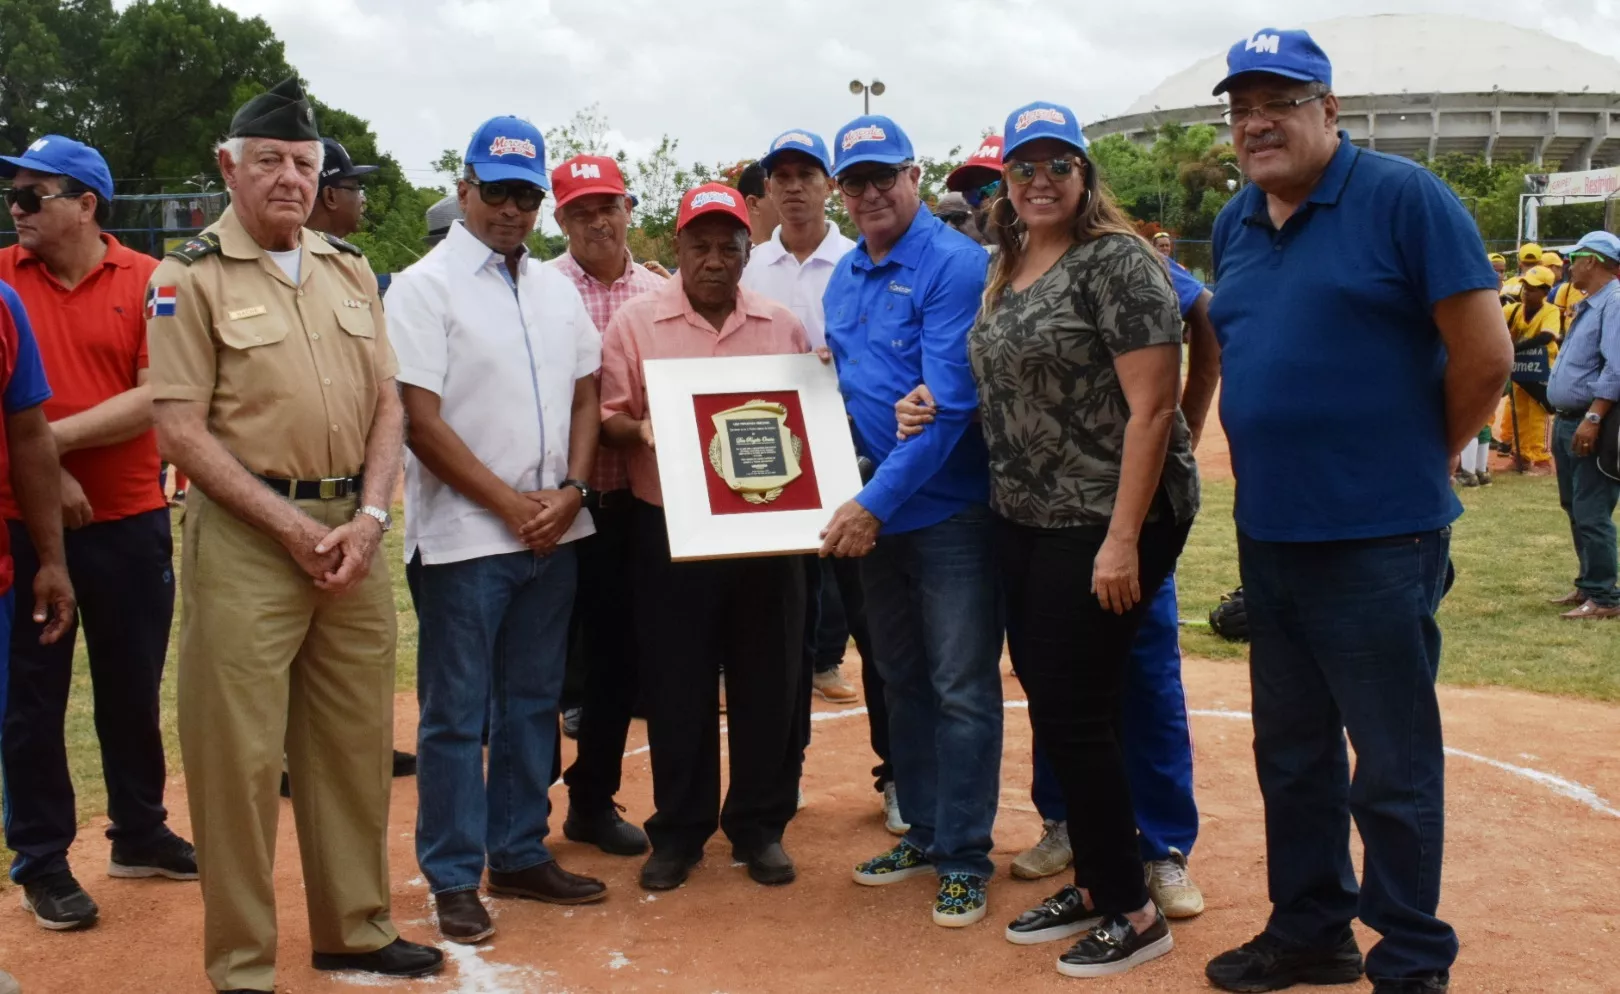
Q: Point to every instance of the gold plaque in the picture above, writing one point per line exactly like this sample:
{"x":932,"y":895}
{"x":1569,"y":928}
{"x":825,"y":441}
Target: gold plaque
{"x":754,"y":452}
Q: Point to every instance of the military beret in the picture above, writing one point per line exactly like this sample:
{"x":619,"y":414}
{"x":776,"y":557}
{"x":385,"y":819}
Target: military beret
{"x":281,"y":112}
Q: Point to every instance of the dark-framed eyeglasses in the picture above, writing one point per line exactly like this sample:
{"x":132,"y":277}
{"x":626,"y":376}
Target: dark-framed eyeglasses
{"x":882,"y":180}
{"x":1021,"y":172}
{"x":525,"y":196}
{"x":1270,"y":111}
{"x":29,"y":200}
{"x":347,"y":187}
{"x":980,"y":194}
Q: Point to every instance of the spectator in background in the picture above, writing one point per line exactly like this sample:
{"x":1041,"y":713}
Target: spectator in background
{"x":762,"y":216}
{"x":340,"y":202}
{"x":1565,"y":295}
{"x":1584,"y":390}
{"x":1529,"y":257}
{"x":1499,"y":263}
{"x":972,"y":187}
{"x":86,"y":296}
{"x":440,"y":216}
{"x":1164,"y":244}
{"x":1535,"y":325}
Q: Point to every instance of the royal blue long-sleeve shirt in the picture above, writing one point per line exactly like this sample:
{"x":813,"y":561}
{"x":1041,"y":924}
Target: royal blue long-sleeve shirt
{"x":893,"y":325}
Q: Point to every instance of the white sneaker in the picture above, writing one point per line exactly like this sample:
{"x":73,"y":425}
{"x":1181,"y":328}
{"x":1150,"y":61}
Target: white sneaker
{"x":1049,"y":857}
{"x":891,"y":811}
{"x":1172,"y":888}
{"x":8,"y":984}
{"x":801,"y":800}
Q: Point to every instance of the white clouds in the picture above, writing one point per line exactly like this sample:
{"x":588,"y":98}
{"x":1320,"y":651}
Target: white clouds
{"x":726,"y":75}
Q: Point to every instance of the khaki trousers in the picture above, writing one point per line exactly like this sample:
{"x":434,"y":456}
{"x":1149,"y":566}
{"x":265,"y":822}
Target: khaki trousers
{"x":269,"y":663}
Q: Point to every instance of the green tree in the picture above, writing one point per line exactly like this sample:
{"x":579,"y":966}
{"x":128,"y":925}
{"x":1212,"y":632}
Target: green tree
{"x":47,"y":51}
{"x":449,"y":165}
{"x":1490,"y":190}
{"x":1180,"y":182}
{"x":584,"y":134}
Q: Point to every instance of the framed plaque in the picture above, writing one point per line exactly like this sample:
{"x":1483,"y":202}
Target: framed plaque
{"x":754,"y":453}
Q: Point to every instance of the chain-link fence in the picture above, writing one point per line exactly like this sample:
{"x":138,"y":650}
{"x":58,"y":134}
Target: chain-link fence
{"x":152,"y":223}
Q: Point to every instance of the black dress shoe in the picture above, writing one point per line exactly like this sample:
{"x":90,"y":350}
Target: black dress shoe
{"x":771,"y":866}
{"x":667,"y":870}
{"x":1266,"y":963}
{"x":404,"y":764}
{"x":462,"y":917}
{"x":1438,"y":983}
{"x":606,"y":831}
{"x":550,"y":883}
{"x":397,"y":959}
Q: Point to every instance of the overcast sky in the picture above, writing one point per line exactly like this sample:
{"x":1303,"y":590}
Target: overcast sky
{"x":724,"y":76}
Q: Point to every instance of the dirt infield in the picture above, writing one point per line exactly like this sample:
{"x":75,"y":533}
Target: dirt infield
{"x":1528,"y":867}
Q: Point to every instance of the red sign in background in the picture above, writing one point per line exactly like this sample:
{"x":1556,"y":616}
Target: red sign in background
{"x":800,"y":495}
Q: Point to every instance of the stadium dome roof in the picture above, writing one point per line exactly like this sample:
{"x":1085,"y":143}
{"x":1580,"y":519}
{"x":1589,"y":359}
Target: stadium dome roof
{"x":1420,"y":53}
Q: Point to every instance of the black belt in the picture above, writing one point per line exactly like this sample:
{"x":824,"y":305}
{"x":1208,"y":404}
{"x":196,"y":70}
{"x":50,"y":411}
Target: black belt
{"x":332,"y":488}
{"x":610,"y":500}
{"x":1572,"y":415}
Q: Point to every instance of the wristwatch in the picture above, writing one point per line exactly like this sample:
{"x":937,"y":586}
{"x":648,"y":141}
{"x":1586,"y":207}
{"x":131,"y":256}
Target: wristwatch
{"x":580,"y":485}
{"x":377,"y":514}
{"x":1593,"y":418}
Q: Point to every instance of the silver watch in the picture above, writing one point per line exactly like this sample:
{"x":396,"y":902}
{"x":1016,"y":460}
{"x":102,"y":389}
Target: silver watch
{"x":1594,"y":418}
{"x":381,"y":516}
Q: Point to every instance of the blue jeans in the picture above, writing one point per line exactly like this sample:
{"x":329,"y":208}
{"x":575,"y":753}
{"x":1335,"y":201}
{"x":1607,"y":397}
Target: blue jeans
{"x":493,"y":642}
{"x":1343,"y":639}
{"x":934,"y":607}
{"x":1589,"y":498}
{"x":1155,"y":737}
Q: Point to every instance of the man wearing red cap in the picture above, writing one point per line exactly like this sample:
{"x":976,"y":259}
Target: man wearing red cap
{"x":976,"y":181}
{"x":592,"y":210}
{"x":691,"y":616}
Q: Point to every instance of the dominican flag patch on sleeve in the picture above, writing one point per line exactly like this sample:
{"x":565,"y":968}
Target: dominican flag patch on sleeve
{"x":160,"y":301}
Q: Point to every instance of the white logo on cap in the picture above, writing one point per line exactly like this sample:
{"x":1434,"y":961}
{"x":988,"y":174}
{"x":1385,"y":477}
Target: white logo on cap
{"x":1264,"y":44}
{"x":870,"y":133}
{"x":712,"y":197}
{"x":513,"y":146}
{"x":1029,"y":117}
{"x":987,"y":151}
{"x":794,"y":138}
{"x":39,"y":145}
{"x":584,"y":170}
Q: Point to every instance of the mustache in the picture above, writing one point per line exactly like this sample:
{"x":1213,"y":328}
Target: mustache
{"x":1259,"y":143}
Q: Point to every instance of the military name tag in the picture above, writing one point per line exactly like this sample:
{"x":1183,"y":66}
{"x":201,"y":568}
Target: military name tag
{"x":249,"y":312}
{"x":754,"y":452}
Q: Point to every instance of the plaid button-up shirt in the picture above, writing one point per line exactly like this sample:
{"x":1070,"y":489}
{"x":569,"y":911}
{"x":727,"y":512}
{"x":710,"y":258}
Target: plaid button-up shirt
{"x":603,"y":300}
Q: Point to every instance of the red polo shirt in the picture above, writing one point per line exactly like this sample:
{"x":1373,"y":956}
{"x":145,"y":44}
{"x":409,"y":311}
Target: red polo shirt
{"x":92,"y":339}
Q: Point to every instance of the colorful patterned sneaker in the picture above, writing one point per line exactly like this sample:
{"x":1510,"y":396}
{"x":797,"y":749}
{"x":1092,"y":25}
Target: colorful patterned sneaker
{"x":903,"y":861}
{"x":1060,"y":916}
{"x":961,"y":900}
{"x":1115,"y":947}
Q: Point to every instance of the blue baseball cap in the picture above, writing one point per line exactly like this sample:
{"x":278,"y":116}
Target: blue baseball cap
{"x":61,"y":156}
{"x":1042,"y":120}
{"x":804,"y":142}
{"x":873,"y":138}
{"x":508,"y":148}
{"x":1290,"y":54}
{"x":1601,"y":242}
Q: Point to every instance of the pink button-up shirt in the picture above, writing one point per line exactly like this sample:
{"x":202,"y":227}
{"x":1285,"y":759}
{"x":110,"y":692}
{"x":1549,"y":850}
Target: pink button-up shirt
{"x":603,"y":300}
{"x":662,"y":325}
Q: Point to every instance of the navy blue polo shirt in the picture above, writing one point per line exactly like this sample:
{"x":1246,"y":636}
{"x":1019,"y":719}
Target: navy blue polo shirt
{"x":1332,"y":367}
{"x":891,"y":326}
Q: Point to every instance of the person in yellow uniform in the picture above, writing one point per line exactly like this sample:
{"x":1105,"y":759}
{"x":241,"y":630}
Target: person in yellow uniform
{"x":1499,"y":263}
{"x":1565,"y":294}
{"x":1536,"y":325}
{"x":273,"y":384}
{"x":1529,"y":258}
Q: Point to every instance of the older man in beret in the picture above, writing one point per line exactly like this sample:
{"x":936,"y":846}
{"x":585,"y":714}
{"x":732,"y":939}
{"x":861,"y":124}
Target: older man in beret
{"x":274,"y":388}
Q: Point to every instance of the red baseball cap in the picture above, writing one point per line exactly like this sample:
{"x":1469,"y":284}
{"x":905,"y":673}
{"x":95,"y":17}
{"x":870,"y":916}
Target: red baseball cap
{"x":585,"y":174}
{"x":712,"y":198}
{"x":983,"y":166}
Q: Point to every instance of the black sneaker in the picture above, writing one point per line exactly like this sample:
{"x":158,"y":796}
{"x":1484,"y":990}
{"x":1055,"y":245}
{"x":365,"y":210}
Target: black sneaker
{"x":571,"y":718}
{"x":1438,"y":983}
{"x":1115,"y":947}
{"x":171,"y":857}
{"x":1266,"y":963}
{"x":59,"y":903}
{"x":1058,"y":917}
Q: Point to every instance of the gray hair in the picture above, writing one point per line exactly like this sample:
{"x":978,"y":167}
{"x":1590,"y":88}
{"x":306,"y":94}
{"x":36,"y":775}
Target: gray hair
{"x":234,"y":148}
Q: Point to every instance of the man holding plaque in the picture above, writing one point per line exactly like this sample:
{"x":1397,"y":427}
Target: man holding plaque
{"x":898,"y":312}
{"x":692,"y":617}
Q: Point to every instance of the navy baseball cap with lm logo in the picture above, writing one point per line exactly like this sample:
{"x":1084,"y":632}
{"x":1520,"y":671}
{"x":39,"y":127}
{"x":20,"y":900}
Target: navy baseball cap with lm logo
{"x":1290,"y":54}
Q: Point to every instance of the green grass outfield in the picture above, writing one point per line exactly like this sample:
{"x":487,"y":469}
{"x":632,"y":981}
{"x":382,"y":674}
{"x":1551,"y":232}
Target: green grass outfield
{"x":1512,"y":551}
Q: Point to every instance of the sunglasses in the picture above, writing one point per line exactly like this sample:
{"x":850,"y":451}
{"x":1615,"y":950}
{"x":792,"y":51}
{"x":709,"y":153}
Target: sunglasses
{"x":882,"y":180}
{"x":30,"y":200}
{"x":1021,"y":172}
{"x":526,"y":196}
{"x":979,"y":195}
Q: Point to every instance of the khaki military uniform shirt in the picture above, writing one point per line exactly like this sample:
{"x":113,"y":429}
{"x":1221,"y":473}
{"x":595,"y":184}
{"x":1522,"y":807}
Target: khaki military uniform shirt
{"x":289,"y":373}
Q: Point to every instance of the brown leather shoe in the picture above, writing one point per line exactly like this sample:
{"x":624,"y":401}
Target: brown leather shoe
{"x":1591,"y":611}
{"x":1572,"y":599}
{"x":548,"y":882}
{"x":462,"y":917}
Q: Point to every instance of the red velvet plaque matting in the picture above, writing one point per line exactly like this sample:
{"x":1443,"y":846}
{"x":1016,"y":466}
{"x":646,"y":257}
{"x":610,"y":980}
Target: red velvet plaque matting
{"x":800,"y":495}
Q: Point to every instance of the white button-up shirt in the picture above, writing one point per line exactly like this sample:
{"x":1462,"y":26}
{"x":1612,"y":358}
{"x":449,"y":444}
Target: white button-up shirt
{"x":774,"y":272}
{"x":502,"y":355}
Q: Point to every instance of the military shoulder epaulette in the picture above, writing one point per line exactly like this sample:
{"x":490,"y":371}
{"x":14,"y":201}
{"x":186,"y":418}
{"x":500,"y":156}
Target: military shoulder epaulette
{"x":193,"y":249}
{"x":340,"y":244}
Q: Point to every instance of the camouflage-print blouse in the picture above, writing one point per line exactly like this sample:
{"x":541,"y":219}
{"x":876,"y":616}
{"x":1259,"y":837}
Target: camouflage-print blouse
{"x":1053,"y":409}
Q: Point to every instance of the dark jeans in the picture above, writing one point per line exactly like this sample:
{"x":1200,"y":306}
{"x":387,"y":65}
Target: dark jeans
{"x":1074,"y":658}
{"x":605,"y":644}
{"x":1155,"y":737}
{"x":123,"y":574}
{"x":839,"y":606}
{"x":1342,"y":639}
{"x":1589,"y":498}
{"x":692,"y":619}
{"x":494,"y":641}
{"x":935,"y":610}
